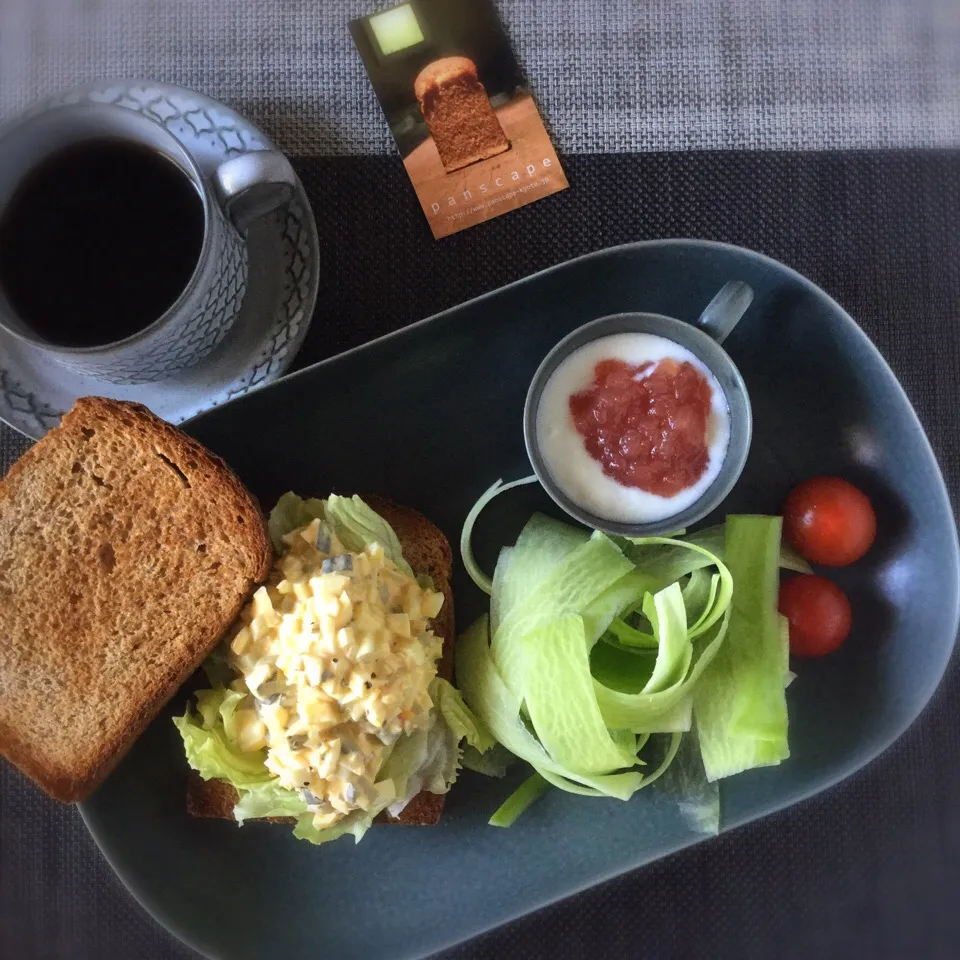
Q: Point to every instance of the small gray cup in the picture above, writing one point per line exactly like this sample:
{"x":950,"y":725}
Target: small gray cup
{"x":242,"y":188}
{"x":702,"y":338}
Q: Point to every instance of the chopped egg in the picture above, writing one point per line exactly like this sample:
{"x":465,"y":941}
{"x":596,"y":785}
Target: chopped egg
{"x":337,"y":654}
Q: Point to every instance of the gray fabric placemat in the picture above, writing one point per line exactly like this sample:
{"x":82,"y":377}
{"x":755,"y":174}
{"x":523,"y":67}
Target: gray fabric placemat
{"x":870,"y":868}
{"x":611,"y":76}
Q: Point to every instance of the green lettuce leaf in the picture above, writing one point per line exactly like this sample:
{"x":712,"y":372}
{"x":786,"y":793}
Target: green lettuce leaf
{"x":355,"y":824}
{"x":268,"y":800}
{"x":425,"y":760}
{"x":458,"y":716}
{"x":357,"y":526}
{"x":491,"y":763}
{"x":290,"y":513}
{"x":212,"y":754}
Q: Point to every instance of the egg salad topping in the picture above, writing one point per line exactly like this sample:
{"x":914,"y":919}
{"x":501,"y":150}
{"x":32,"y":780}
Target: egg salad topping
{"x":336,"y":655}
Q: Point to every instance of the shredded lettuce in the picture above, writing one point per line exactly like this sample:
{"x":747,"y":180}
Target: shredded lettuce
{"x":570,"y":725}
{"x":739,"y":705}
{"x":686,"y":783}
{"x":531,"y":790}
{"x":466,"y":534}
{"x":489,"y":697}
{"x":567,"y":589}
{"x":714,"y":540}
{"x":597,"y":646}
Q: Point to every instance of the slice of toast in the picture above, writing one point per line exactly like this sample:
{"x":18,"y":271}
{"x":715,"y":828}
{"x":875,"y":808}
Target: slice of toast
{"x":126,"y":549}
{"x":427,"y":551}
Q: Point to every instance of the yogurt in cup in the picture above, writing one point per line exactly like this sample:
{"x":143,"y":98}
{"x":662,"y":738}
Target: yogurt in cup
{"x":639,"y":424}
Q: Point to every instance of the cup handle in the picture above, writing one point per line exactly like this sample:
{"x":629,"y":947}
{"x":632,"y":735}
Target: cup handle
{"x":254,"y":184}
{"x":725,"y":310}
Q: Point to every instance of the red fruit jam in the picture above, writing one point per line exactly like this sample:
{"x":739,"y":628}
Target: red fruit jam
{"x":646,"y":424}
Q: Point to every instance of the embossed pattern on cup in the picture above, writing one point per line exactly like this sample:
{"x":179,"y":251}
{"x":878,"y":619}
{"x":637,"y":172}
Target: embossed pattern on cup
{"x":203,"y":314}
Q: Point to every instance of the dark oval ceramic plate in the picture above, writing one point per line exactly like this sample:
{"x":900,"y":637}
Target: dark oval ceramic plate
{"x":430,"y":416}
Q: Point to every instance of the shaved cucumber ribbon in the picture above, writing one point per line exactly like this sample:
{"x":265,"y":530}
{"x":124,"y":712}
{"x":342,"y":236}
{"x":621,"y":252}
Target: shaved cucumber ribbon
{"x":740,"y":708}
{"x":570,"y":726}
{"x":490,"y":698}
{"x":531,"y":790}
{"x":466,"y":534}
{"x":555,"y":593}
{"x":680,"y":660}
{"x":578,"y":584}
{"x":579,"y":711}
{"x":714,"y":540}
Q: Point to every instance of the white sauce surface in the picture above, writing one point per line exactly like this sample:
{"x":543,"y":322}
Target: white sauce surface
{"x":563,"y":450}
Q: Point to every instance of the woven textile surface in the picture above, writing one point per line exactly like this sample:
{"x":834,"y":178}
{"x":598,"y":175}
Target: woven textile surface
{"x":611,"y":75}
{"x":824,"y":134}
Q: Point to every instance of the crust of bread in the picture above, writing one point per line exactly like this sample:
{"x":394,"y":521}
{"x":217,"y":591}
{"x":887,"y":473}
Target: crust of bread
{"x":427,"y":551}
{"x":126,"y":549}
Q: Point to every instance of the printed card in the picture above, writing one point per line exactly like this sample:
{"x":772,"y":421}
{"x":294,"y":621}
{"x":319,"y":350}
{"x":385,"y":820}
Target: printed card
{"x":458,"y":106}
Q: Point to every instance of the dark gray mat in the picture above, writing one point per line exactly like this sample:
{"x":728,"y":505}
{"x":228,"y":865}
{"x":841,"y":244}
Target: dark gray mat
{"x":870,"y":868}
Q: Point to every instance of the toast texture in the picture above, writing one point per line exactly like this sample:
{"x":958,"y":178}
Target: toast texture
{"x":427,"y":551}
{"x":126,"y":550}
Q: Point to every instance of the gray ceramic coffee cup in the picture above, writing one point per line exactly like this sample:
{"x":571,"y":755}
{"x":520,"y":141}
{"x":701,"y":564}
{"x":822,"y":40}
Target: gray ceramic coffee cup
{"x":702,"y":338}
{"x":242,"y":188}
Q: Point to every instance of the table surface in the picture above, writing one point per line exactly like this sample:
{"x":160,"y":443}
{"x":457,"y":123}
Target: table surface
{"x":825,"y":134}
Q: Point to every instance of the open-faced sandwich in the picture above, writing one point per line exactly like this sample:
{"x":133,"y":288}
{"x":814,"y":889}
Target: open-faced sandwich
{"x":331,"y":705}
{"x":128,"y":552}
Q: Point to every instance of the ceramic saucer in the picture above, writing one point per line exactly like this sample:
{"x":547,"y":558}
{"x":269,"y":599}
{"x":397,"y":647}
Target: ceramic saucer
{"x":282,"y":288}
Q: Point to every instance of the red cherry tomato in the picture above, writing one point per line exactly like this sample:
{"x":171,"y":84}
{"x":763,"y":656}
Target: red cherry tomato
{"x":829,"y":521}
{"x":819,"y":615}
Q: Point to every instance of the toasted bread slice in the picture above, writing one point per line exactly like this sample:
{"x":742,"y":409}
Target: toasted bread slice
{"x":427,"y":551}
{"x":126,"y":549}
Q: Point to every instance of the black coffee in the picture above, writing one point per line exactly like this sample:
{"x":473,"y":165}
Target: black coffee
{"x":98,"y":241}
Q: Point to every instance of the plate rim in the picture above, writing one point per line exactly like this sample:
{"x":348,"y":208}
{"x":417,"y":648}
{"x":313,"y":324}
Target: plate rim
{"x":928,"y":691}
